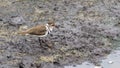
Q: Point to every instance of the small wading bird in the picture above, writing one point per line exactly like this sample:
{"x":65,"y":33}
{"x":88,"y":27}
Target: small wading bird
{"x":40,"y":30}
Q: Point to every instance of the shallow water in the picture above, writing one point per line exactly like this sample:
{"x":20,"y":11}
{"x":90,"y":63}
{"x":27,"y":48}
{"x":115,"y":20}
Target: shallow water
{"x":111,"y":61}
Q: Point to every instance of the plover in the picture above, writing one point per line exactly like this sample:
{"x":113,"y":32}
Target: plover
{"x":41,"y":30}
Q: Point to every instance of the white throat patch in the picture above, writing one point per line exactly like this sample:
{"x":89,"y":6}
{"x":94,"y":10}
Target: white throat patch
{"x":48,"y":28}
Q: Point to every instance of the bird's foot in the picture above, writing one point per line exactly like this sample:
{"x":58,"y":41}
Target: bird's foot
{"x":44,"y":43}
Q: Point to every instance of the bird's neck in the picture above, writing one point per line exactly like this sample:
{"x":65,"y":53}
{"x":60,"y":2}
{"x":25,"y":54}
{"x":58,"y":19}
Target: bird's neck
{"x":49,"y":28}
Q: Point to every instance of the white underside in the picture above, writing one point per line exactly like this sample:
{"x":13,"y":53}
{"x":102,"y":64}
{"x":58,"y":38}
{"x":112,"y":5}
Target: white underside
{"x":44,"y":35}
{"x":48,"y":30}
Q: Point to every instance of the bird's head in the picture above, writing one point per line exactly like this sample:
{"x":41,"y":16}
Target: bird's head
{"x":51,"y":23}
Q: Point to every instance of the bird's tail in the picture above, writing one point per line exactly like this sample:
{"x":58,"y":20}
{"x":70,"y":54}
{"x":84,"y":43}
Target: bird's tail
{"x":22,"y":32}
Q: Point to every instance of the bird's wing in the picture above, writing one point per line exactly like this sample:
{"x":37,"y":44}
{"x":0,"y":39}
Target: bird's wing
{"x":37,"y":30}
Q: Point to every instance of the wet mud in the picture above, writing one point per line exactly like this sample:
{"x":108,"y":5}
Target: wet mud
{"x":85,"y":31}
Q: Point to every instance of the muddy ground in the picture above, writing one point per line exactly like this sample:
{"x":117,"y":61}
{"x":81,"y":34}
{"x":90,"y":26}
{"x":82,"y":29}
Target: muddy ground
{"x":85,"y":31}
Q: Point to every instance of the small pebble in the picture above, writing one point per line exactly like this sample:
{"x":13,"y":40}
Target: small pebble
{"x":39,"y":11}
{"x":98,"y":67}
{"x":110,"y":62}
{"x":1,"y":19}
{"x":17,"y":20}
{"x":24,"y":27}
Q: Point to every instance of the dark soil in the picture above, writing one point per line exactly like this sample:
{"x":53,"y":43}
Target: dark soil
{"x":85,"y":30}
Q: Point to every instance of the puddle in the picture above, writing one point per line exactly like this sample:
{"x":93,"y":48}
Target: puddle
{"x":111,"y":61}
{"x":83,"y":65}
{"x":114,"y":57}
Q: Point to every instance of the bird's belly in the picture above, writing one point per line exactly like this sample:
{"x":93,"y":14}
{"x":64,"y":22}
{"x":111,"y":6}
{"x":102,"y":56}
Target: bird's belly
{"x":46,"y":33}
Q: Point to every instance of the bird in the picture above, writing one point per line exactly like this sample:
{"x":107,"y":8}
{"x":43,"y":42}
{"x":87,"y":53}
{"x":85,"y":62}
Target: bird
{"x":41,"y":30}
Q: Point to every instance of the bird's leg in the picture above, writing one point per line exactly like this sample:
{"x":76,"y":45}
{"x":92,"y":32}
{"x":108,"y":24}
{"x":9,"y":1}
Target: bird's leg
{"x":41,"y":42}
{"x":47,"y":43}
{"x":44,"y":43}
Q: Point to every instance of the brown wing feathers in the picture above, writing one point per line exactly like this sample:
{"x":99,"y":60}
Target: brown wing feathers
{"x":37,"y":30}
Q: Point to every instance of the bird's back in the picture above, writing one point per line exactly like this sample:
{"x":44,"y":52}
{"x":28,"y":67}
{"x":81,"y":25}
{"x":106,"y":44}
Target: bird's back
{"x":36,"y":30}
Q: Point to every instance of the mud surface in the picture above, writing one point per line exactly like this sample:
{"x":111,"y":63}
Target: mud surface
{"x":85,"y":31}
